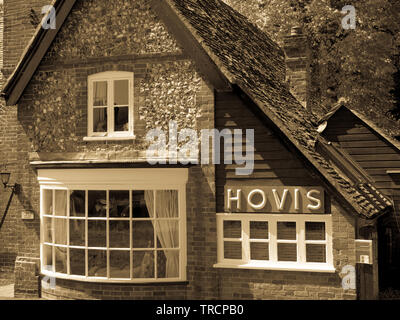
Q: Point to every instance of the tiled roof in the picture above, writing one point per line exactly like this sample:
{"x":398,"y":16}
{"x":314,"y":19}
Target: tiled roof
{"x":250,"y":59}
{"x":247,"y":57}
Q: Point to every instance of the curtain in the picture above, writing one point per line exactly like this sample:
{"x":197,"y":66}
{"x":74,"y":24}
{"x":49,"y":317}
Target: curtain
{"x":100,"y":99}
{"x":77,"y":208}
{"x":60,"y":226}
{"x":167,"y":230}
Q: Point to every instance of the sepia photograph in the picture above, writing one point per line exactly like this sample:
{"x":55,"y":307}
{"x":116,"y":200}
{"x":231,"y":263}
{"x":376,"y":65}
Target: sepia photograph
{"x":200,"y":150}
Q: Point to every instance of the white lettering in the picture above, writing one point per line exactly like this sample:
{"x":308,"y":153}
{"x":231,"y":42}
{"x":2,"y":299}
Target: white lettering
{"x":237,"y":199}
{"x":260,"y":205}
{"x":280,"y":203}
{"x":311,"y":198}
{"x":296,"y":199}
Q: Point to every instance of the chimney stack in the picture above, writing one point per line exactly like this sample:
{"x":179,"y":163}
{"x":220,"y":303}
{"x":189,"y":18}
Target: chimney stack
{"x":298,"y":65}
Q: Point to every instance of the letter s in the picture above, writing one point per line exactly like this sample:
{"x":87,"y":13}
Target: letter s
{"x":311,"y":198}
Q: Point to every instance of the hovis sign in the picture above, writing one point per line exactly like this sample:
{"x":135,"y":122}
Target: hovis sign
{"x":274,"y":199}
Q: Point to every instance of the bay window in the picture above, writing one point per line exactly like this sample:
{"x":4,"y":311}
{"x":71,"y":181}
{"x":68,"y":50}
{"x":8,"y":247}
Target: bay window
{"x":131,"y":230}
{"x":275,"y":241}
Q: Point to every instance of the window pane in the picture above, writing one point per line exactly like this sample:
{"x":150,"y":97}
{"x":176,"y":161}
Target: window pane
{"x":48,"y":202}
{"x":100,"y":93}
{"x":61,"y":259}
{"x":258,"y":230}
{"x":167,"y":204}
{"x":232,"y":229}
{"x":119,"y":234}
{"x":77,"y":261}
{"x":97,"y":233}
{"x":168,"y":264}
{"x":97,"y":263}
{"x":259,"y":251}
{"x":143,"y":234}
{"x":77,"y":232}
{"x":232,"y":250}
{"x":47,"y":258}
{"x":316,"y":253}
{"x":60,"y":231}
{"x":77,"y":203}
{"x":60,"y":203}
{"x":100,"y":120}
{"x":119,"y":264}
{"x":47,"y":230}
{"x":287,"y":252}
{"x":121,"y":119}
{"x":142,"y":201}
{"x":315,"y":231}
{"x":97,"y":203}
{"x":287,"y":230}
{"x":121,"y":92}
{"x":168,"y":233}
{"x":143,"y":264}
{"x":119,"y":204}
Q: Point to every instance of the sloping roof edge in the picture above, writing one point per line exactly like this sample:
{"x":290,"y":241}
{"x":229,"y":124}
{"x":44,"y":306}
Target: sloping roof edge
{"x":369,"y":123}
{"x":33,"y":53}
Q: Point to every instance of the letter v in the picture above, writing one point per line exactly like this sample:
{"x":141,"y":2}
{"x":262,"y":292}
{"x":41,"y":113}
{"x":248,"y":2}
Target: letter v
{"x":280,"y":203}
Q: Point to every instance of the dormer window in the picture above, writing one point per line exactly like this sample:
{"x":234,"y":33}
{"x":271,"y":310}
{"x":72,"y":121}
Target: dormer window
{"x":110,"y":105}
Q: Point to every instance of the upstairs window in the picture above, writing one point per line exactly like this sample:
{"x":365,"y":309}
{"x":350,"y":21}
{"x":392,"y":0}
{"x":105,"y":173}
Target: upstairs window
{"x":110,"y":105}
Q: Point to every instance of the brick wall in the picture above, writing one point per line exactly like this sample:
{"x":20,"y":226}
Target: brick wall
{"x":26,"y":277}
{"x":20,"y":19}
{"x":298,"y":65}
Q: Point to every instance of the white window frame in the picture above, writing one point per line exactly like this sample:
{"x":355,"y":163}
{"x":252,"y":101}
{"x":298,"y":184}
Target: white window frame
{"x":110,"y":77}
{"x":112,"y":179}
{"x":273,"y":263}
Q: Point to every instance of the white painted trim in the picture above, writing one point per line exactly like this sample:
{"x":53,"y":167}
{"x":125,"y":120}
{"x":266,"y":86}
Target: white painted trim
{"x":135,"y":178}
{"x":393,"y":171}
{"x":110,"y":138}
{"x":309,"y":267}
{"x":114,"y":280}
{"x":109,"y":77}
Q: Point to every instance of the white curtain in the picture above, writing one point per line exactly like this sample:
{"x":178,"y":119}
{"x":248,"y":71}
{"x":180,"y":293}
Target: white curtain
{"x":76,"y":203}
{"x":60,"y":226}
{"x":167,"y":230}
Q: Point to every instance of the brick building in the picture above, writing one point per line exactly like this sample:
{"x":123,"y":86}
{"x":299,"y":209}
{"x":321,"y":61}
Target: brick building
{"x":94,"y":214}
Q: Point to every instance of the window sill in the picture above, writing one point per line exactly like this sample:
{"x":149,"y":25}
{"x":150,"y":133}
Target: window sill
{"x":312,"y":267}
{"x":110,"y":138}
{"x":163,"y":281}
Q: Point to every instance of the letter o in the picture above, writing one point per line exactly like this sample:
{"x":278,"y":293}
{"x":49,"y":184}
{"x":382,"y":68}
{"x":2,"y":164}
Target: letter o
{"x":257,"y":206}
